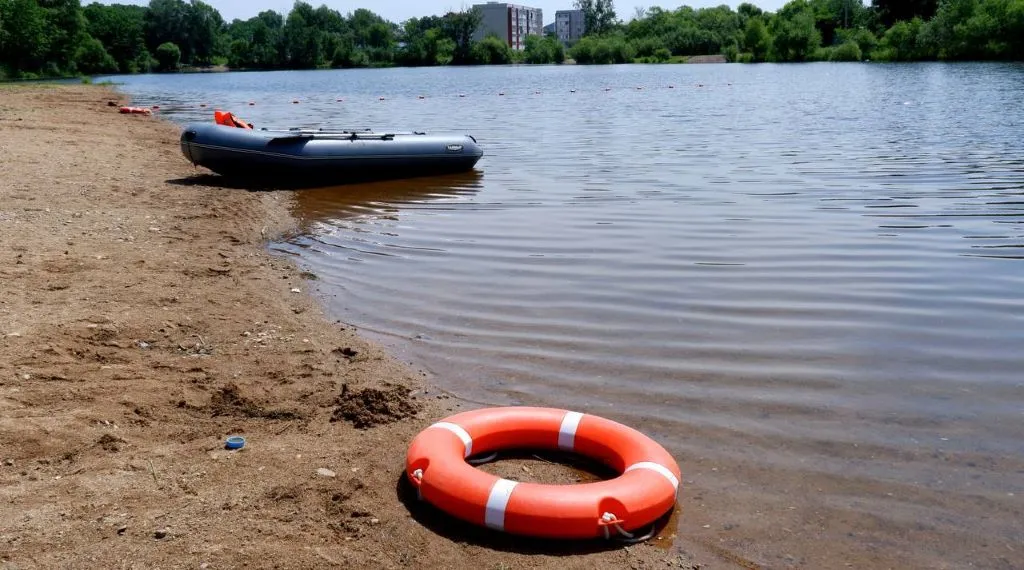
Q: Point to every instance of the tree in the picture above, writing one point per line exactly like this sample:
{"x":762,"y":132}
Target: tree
{"x":204,"y":25}
{"x":65,"y":30}
{"x":24,"y":29}
{"x":168,"y":56}
{"x":756,"y":39}
{"x":892,"y":11}
{"x":795,"y":36}
{"x":598,"y":16}
{"x":167,"y":21}
{"x":121,"y":30}
{"x":460,"y":27}
{"x":91,"y":57}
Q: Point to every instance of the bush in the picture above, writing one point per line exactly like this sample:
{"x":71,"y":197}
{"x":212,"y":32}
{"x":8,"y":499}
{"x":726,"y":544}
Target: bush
{"x":604,"y":50}
{"x":731,"y":52}
{"x":542,"y":50}
{"x":92,"y":58}
{"x":492,"y":50}
{"x":168,"y":56}
{"x":848,"y":51}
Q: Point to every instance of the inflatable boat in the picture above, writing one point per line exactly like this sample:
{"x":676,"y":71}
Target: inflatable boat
{"x":324,"y":157}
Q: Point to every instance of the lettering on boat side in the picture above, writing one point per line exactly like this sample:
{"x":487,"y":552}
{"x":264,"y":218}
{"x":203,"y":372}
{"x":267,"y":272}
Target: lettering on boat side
{"x":455,"y":148}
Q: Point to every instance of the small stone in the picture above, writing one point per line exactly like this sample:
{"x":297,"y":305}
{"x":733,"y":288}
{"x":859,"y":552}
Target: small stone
{"x":9,"y":462}
{"x":160,"y":533}
{"x":296,"y":290}
{"x":122,"y":529}
{"x":324,"y":472}
{"x":374,"y":521}
{"x":14,"y":335}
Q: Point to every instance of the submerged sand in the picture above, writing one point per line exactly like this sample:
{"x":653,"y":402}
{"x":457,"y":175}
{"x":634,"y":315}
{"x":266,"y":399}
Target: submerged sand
{"x":142,"y":321}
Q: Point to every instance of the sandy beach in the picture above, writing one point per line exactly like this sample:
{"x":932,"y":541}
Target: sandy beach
{"x":142,"y":321}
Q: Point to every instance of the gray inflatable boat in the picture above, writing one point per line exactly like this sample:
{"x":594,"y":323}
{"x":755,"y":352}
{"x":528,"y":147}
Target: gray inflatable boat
{"x":304,"y":157}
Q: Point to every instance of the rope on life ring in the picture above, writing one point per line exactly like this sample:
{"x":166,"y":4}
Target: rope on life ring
{"x":438,"y":465}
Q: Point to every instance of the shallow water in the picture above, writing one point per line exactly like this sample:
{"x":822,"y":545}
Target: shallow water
{"x":806,"y":281}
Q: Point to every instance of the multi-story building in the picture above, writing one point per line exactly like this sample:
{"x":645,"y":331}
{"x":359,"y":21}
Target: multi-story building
{"x":510,"y":22}
{"x":569,"y":25}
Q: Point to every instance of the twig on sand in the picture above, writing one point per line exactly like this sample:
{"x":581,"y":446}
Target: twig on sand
{"x":152,"y":471}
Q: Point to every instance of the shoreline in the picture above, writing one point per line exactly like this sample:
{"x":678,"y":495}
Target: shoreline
{"x":145,"y":320}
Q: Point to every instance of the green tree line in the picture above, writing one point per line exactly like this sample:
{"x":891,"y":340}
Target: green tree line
{"x":62,"y":37}
{"x":807,"y":30}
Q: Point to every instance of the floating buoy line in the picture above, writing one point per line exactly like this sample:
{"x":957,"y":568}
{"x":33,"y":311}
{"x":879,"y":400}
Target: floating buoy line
{"x":421,"y":97}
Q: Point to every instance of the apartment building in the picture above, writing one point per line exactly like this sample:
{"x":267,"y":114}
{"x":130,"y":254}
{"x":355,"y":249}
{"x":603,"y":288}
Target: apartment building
{"x":569,"y":25}
{"x":510,"y":22}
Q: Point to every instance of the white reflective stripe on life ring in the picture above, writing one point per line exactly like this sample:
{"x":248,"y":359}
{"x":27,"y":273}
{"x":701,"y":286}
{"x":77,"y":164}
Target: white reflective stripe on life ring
{"x":497,"y":500}
{"x":656,"y":467}
{"x":457,"y":430}
{"x":567,"y":431}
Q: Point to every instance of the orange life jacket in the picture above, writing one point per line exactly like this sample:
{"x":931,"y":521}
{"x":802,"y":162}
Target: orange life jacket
{"x":230,"y":120}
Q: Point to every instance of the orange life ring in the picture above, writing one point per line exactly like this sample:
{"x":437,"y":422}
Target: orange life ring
{"x":646,"y":489}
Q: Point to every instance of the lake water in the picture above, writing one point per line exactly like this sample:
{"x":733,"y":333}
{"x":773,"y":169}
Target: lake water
{"x":806,"y":281}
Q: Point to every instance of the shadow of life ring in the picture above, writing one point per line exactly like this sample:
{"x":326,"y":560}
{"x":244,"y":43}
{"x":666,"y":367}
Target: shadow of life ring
{"x":646,"y":489}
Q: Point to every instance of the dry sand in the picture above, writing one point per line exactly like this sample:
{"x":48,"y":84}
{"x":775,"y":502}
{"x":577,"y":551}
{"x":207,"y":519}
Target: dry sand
{"x":142,"y":321}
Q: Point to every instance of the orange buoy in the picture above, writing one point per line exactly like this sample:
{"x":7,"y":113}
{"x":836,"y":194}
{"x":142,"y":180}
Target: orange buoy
{"x":646,"y":489}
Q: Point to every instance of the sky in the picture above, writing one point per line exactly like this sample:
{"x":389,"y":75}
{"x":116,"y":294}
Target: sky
{"x":400,"y":10}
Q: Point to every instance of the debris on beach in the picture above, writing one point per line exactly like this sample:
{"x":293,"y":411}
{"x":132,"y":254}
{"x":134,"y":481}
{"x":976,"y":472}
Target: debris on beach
{"x":371,"y":407}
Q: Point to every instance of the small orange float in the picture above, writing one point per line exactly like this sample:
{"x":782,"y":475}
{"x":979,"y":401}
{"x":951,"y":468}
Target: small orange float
{"x":646,"y":489}
{"x":135,"y":111}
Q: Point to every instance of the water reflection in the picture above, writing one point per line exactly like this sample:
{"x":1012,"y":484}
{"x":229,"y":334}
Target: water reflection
{"x":320,"y":209}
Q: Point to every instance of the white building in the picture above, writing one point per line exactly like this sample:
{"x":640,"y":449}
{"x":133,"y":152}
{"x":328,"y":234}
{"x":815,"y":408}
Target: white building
{"x":569,"y":25}
{"x":510,"y":22}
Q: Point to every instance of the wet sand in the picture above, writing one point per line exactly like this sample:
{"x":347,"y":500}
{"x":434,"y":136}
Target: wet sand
{"x":142,"y":321}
